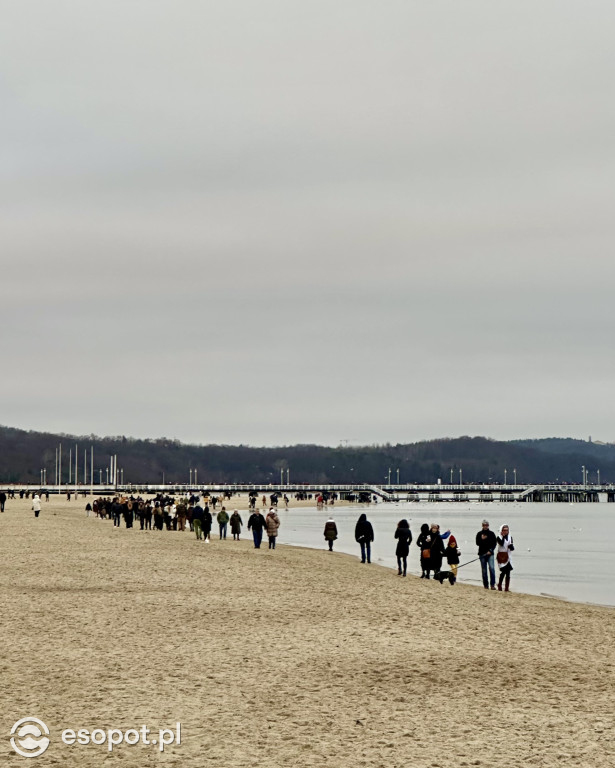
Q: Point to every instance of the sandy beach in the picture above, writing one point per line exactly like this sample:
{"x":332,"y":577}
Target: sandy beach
{"x":294,"y":657}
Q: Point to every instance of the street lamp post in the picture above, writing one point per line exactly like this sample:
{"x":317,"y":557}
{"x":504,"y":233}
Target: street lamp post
{"x":515,"y":474}
{"x":583,"y":473}
{"x":505,"y":471}
{"x":389,"y":476}
{"x":460,"y":478}
{"x":398,"y":476}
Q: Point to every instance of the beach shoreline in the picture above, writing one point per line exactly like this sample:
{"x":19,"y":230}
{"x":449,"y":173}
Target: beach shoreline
{"x":289,"y":657}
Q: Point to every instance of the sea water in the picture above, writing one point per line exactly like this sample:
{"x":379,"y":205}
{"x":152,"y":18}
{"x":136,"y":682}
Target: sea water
{"x":561,"y":550}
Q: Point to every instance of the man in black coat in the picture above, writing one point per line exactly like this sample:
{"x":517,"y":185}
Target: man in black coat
{"x":256,"y":523}
{"x":197,"y":521}
{"x":116,"y":510}
{"x":207,"y":520}
{"x":364,"y":535}
{"x":486,"y":541}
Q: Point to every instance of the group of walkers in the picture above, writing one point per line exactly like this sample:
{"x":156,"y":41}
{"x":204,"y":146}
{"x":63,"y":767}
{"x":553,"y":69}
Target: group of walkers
{"x":163,"y":512}
{"x":24,"y":493}
{"x":491,"y":549}
{"x":188,"y":514}
{"x":431,"y":543}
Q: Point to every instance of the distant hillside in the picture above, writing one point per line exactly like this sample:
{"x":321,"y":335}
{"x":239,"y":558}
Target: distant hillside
{"x":569,"y":445}
{"x":23,"y":454}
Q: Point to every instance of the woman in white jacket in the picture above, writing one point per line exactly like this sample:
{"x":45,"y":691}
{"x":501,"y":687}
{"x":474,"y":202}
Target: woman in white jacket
{"x":502,"y":554}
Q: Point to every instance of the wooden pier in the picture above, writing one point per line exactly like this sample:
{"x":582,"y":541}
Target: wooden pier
{"x":416,"y":492}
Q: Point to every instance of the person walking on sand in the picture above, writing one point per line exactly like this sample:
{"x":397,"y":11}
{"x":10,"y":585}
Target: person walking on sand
{"x":207,"y":523}
{"x":147,"y":515}
{"x":504,"y":548}
{"x":486,"y":543}
{"x":236,"y":523}
{"x":402,"y":550}
{"x":437,"y":548}
{"x":330,"y":533}
{"x":424,"y":544}
{"x":158,"y":517}
{"x":2,"y":500}
{"x":256,"y":523}
{"x":116,"y":511}
{"x":182,"y":512}
{"x":364,"y":535}
{"x":36,"y":505}
{"x":222,"y":518}
{"x":272,"y":523}
{"x":197,"y":521}
{"x":452,"y":555}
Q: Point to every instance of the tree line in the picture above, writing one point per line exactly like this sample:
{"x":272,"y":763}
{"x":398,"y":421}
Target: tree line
{"x":23,"y":454}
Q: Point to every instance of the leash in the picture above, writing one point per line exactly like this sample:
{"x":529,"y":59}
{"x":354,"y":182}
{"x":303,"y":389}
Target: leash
{"x":468,"y":563}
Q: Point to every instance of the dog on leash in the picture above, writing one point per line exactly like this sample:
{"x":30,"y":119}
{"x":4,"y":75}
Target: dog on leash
{"x":441,"y":576}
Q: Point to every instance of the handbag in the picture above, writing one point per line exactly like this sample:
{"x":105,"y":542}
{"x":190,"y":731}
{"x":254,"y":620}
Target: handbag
{"x":426,"y":553}
{"x":502,"y":557}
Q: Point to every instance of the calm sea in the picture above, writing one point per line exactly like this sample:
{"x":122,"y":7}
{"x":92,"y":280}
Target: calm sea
{"x":561,"y":550}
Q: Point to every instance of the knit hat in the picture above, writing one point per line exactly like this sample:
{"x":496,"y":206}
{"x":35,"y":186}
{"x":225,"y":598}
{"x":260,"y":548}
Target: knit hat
{"x":452,"y":541}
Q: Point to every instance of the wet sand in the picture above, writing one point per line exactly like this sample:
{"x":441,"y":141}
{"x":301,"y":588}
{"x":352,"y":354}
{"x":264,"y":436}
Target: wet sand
{"x":294,"y":657}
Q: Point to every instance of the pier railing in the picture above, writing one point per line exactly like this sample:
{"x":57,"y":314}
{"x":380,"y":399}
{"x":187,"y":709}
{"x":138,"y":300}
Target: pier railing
{"x":387,"y":492}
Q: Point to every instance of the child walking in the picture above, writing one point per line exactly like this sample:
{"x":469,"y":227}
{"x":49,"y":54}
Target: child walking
{"x":452,"y":555}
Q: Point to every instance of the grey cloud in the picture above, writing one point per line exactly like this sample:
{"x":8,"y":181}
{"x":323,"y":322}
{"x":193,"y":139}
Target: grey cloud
{"x":288,"y":222}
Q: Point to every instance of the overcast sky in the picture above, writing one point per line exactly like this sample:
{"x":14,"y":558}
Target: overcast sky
{"x":276,"y":222}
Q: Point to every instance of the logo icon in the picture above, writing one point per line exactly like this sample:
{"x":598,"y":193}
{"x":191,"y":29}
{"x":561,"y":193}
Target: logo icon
{"x":29,"y":741}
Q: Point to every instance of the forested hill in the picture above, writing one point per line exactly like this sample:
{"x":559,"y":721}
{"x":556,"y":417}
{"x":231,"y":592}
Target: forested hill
{"x":600,"y":451}
{"x":23,"y":454}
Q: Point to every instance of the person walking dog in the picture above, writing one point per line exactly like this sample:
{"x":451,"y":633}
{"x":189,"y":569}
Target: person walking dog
{"x":486,"y":543}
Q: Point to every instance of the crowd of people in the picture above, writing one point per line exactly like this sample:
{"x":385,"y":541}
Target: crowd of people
{"x":164,"y":512}
{"x":492,"y":548}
